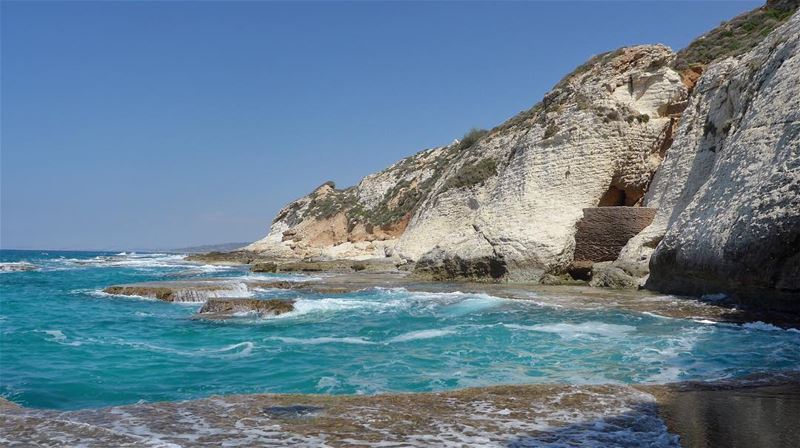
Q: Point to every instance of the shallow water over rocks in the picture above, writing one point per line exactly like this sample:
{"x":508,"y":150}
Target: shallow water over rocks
{"x":71,"y":348}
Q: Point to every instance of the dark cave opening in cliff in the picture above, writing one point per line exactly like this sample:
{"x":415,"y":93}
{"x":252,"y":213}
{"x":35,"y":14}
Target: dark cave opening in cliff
{"x":613,"y":197}
{"x":617,"y":197}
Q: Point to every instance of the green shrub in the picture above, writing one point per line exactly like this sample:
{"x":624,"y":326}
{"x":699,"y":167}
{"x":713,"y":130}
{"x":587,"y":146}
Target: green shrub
{"x":472,"y":174}
{"x":358,"y":267}
{"x":550,"y":130}
{"x":470,"y":138}
{"x":733,"y":38}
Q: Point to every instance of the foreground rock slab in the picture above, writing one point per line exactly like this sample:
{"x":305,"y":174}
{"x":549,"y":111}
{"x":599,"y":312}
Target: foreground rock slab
{"x":749,"y":412}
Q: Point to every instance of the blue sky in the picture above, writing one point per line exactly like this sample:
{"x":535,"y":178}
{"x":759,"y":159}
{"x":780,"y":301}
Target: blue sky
{"x":166,"y":124}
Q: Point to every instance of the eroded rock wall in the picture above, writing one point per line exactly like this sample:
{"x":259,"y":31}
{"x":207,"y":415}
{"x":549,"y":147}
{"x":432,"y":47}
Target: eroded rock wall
{"x":729,"y":192}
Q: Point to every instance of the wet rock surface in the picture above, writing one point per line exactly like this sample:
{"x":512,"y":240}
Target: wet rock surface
{"x":221,"y":308}
{"x":17,"y":266}
{"x":760,"y":412}
{"x":226,"y":258}
{"x":757,"y":412}
{"x":180,"y":291}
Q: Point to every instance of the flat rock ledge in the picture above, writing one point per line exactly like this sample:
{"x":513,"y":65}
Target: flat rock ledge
{"x":748,"y":412}
{"x":259,"y":263}
{"x":203,"y":290}
{"x":225,"y":308}
{"x":177,"y":292}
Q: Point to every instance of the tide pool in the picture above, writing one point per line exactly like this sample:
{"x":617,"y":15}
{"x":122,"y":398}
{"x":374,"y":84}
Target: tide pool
{"x":66,"y":345}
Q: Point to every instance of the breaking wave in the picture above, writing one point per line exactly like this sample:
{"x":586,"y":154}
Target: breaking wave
{"x":17,"y":266}
{"x":571,"y":331}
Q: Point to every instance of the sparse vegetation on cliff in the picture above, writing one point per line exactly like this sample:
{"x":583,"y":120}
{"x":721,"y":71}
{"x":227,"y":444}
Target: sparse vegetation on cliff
{"x":470,"y":138}
{"x":402,"y":198}
{"x":472,"y":174}
{"x":736,"y":36}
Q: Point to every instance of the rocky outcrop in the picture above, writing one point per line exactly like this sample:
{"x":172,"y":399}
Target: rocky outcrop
{"x":184,"y":291}
{"x":223,"y":308}
{"x":502,"y":204}
{"x":202,"y":290}
{"x":225,"y":258}
{"x":359,"y":222}
{"x":729,"y":192}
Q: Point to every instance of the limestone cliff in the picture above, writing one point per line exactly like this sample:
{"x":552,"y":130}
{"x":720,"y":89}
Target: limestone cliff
{"x":728,"y":193}
{"x":597,"y":137}
{"x":507,"y":203}
{"x":508,"y":199}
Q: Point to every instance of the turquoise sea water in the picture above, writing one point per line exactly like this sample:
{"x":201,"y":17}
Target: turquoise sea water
{"x":66,"y":345}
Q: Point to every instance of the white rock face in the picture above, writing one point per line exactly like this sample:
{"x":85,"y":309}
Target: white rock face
{"x":601,"y":127}
{"x":729,"y":191}
{"x":686,"y":167}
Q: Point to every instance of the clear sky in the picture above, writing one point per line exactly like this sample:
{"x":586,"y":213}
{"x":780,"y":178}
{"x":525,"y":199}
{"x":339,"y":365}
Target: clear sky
{"x":167,"y":124}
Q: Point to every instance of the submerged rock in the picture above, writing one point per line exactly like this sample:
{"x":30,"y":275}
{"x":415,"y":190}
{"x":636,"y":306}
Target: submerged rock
{"x":217,"y":308}
{"x":17,"y":266}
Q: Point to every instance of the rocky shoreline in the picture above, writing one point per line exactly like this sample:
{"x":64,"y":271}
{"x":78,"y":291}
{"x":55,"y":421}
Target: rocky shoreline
{"x":755,"y":411}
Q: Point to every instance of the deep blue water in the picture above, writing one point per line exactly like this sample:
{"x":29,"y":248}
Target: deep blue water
{"x":65,"y":345}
